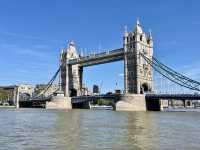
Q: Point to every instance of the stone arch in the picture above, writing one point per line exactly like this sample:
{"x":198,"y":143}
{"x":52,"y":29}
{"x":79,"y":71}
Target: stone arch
{"x":141,"y":37}
{"x":188,"y":103}
{"x":24,"y":96}
{"x":73,"y":92}
{"x":144,"y":88}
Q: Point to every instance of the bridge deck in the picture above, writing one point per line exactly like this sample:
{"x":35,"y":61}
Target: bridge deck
{"x":100,"y":58}
{"x":113,"y":97}
{"x":173,"y":96}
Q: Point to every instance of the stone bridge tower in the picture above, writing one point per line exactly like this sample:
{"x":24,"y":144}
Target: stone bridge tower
{"x":71,"y":75}
{"x":137,"y":73}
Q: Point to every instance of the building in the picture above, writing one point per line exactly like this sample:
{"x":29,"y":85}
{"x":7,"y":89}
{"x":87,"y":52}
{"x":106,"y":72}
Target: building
{"x":26,"y":89}
{"x":137,"y":49}
{"x":96,"y":89}
{"x":40,"y":88}
{"x":137,"y":73}
{"x":74,"y":79}
{"x":85,"y":90}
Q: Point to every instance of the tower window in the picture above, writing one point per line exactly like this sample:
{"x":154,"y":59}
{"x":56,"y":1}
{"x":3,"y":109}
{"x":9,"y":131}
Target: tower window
{"x":148,"y":41}
{"x":140,"y":37}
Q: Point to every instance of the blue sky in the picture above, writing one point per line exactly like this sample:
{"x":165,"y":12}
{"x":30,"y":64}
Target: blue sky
{"x":33,"y":32}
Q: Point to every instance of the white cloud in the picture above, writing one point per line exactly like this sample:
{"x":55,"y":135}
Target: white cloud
{"x":31,"y":37}
{"x":121,"y":75}
{"x":32,"y":53}
{"x":39,"y":51}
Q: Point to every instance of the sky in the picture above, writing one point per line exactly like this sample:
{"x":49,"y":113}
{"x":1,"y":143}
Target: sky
{"x":33,"y":32}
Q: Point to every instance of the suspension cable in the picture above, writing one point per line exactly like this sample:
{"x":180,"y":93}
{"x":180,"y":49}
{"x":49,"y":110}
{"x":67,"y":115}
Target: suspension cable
{"x":49,"y":84}
{"x":172,"y":75}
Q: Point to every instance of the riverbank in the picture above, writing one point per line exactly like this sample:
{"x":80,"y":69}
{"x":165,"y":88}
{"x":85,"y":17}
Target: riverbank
{"x":1,"y":106}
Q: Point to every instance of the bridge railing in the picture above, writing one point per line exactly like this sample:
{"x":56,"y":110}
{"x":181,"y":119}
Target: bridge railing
{"x":95,"y":56}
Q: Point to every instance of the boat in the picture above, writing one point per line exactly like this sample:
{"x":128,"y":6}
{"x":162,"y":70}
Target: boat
{"x":101,"y":107}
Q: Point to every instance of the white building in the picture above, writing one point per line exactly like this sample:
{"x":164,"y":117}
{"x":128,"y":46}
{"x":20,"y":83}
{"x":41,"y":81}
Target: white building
{"x":26,"y":89}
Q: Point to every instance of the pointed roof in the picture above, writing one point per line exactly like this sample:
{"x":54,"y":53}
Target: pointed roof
{"x":138,"y":28}
{"x":71,"y":43}
{"x":125,"y":31}
{"x":71,"y":50}
{"x":149,"y":36}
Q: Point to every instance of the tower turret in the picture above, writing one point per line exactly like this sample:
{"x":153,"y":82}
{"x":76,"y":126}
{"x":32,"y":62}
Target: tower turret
{"x":150,"y":38}
{"x":137,"y":73}
{"x":138,"y":28}
{"x":71,"y":51}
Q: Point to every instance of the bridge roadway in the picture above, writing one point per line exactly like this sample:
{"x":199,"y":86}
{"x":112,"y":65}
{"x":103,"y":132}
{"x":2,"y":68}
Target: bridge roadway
{"x":40,"y":102}
{"x":81,"y":99}
{"x":99,"y":58}
{"x":115,"y":97}
{"x":172,"y":96}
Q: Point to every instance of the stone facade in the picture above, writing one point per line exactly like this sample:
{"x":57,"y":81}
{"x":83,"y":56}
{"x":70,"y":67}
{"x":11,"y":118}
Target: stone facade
{"x":131,"y":102}
{"x":59,"y":102}
{"x":71,"y":75}
{"x":137,"y":73}
{"x":26,"y":88}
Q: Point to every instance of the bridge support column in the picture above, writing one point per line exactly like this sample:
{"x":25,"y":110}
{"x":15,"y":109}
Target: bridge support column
{"x":16,"y":97}
{"x":131,"y":102}
{"x":59,"y":102}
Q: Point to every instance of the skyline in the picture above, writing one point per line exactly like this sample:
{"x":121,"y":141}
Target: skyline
{"x":30,"y":49}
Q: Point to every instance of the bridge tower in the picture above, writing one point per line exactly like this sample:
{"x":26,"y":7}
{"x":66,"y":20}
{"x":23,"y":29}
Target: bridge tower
{"x":137,"y":73}
{"x":71,"y":75}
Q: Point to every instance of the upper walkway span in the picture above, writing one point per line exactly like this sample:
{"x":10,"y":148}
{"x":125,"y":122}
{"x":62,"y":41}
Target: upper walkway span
{"x":99,"y":58}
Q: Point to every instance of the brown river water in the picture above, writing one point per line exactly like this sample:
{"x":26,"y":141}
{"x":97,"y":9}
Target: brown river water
{"x":40,"y":129}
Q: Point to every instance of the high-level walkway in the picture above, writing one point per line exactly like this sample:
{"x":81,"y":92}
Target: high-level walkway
{"x":99,"y":58}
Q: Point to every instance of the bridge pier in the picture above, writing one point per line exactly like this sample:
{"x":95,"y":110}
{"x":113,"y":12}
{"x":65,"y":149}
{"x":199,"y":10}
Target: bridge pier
{"x":131,"y":102}
{"x":59,"y":102}
{"x":138,"y":102}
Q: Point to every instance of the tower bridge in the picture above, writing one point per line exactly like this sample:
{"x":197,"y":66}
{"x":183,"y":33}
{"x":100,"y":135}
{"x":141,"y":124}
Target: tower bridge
{"x":137,"y":73}
{"x":139,"y":63}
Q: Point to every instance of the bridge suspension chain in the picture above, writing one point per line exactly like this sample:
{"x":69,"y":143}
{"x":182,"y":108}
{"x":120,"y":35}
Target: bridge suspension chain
{"x":172,"y":75}
{"x":49,"y":84}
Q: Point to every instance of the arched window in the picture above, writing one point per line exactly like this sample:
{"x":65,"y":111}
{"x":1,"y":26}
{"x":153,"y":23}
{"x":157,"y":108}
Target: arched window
{"x":148,"y":41}
{"x":140,"y":37}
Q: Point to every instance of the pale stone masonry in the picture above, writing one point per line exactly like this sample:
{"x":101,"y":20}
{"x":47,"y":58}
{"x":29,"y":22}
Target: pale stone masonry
{"x":131,"y":102}
{"x":71,"y":75}
{"x":137,"y":73}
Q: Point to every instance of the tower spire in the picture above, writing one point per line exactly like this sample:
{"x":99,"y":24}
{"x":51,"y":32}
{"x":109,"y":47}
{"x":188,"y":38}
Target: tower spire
{"x":138,"y":28}
{"x":150,"y":35}
{"x":137,"y":22}
{"x":125,"y":31}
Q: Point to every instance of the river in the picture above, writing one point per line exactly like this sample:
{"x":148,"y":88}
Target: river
{"x":40,"y":129}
